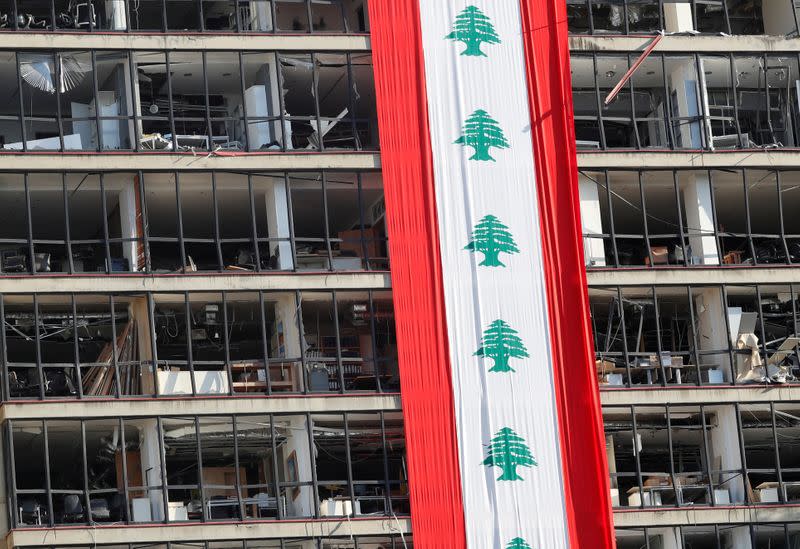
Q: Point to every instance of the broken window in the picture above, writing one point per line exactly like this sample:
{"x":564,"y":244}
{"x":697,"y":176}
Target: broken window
{"x":686,"y":102}
{"x":62,"y":15}
{"x":194,"y":222}
{"x":711,"y":536}
{"x":339,"y":16}
{"x":65,"y":346}
{"x":115,"y":98}
{"x":660,"y":456}
{"x":646,"y":336}
{"x":264,"y":103}
{"x":637,"y":538}
{"x":363,"y":98}
{"x":697,"y":335}
{"x":359,"y":462}
{"x":207,"y":468}
{"x":729,"y":16}
{"x":153,"y":105}
{"x":350,"y":235}
{"x":232,"y":343}
{"x":186,"y":101}
{"x":689,"y":217}
{"x":613,"y":17}
{"x":347,"y":343}
{"x":705,"y":16}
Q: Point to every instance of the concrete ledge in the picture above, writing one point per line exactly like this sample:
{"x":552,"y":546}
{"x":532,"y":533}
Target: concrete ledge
{"x":772,"y":158}
{"x":694,"y":276}
{"x":157,"y":161}
{"x":195,"y":283}
{"x":184,"y":41}
{"x":685,"y":43}
{"x":709,"y":515}
{"x":205,"y":532}
{"x":149,"y":407}
{"x":700,"y":395}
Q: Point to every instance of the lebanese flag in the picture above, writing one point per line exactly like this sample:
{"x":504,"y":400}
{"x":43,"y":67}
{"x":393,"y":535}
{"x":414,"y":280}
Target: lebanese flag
{"x":503,"y":425}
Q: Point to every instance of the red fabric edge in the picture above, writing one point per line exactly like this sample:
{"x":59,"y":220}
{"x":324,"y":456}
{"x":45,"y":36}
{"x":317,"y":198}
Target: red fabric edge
{"x":586,"y":481}
{"x":426,"y":384}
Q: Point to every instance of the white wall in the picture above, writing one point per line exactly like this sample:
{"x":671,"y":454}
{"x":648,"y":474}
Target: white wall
{"x":712,"y":333}
{"x":699,"y":212}
{"x":683,"y":81}
{"x":670,"y":538}
{"x":151,"y":465}
{"x":591,"y":220}
{"x":724,"y":440}
{"x":128,"y":216}
{"x":297,"y":441}
{"x":278,"y":223}
{"x":678,"y":17}
{"x":739,"y":538}
{"x":778,"y":17}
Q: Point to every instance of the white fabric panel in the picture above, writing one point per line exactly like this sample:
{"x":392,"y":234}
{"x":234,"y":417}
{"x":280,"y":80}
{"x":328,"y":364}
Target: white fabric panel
{"x":497,"y":511}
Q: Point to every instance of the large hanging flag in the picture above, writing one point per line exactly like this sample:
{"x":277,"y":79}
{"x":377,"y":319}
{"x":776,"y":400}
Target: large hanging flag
{"x":503,"y":425}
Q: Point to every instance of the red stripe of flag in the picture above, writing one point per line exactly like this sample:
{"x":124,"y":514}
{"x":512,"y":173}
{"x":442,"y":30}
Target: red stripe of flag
{"x":587,"y":489}
{"x":425,"y":376}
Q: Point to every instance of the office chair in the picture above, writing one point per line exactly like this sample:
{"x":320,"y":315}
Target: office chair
{"x":73,"y":509}
{"x":99,"y":509}
{"x":30,"y":512}
{"x":84,"y":15}
{"x":117,"y":507}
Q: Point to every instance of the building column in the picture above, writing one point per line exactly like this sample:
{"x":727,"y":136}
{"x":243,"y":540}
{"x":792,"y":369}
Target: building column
{"x":4,"y":497}
{"x":151,"y":465}
{"x":285,"y":337}
{"x":297,"y":451}
{"x":129,"y":218}
{"x":592,"y":222}
{"x":116,"y":11}
{"x":740,"y":538}
{"x":138,"y":312}
{"x":278,"y":223}
{"x":670,"y":537}
{"x":724,"y":451}
{"x":678,"y":17}
{"x":699,"y":213}
{"x":712,"y":332}
{"x":779,"y":17}
{"x":683,"y":86}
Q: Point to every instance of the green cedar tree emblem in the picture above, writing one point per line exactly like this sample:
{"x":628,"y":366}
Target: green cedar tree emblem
{"x":509,"y":451}
{"x":518,"y":543}
{"x":501,"y":343}
{"x":490,"y":237}
{"x":473,"y":28}
{"x":481,"y":132}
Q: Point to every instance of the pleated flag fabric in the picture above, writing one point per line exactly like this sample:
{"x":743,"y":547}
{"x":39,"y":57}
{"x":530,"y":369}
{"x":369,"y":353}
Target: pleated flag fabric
{"x":502,"y":415}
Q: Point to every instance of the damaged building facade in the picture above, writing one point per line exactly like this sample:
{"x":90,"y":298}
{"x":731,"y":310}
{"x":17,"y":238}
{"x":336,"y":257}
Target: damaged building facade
{"x":192,"y":220}
{"x":690,"y":192}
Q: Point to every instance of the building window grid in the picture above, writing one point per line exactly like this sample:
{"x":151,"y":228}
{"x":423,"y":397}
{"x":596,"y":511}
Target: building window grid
{"x":386,"y":541}
{"x":368,"y":243}
{"x":661,"y":356}
{"x":670,"y":120}
{"x":379,"y":380}
{"x":276,"y":486}
{"x":784,"y":242}
{"x":708,"y":472}
{"x":350,"y":19}
{"x":648,"y":537}
{"x":626,"y":16}
{"x":357,"y":121}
